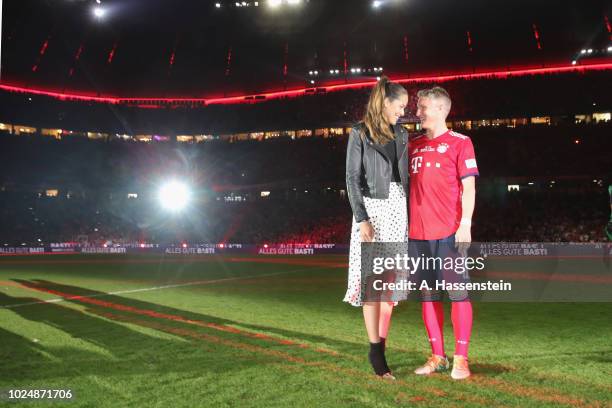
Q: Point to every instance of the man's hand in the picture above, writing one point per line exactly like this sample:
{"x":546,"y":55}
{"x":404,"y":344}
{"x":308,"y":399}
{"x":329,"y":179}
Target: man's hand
{"x":463,"y":237}
{"x":463,"y":234}
{"x":366,"y":231}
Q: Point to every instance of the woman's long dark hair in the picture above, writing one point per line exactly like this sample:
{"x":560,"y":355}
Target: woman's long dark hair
{"x":374,"y":120}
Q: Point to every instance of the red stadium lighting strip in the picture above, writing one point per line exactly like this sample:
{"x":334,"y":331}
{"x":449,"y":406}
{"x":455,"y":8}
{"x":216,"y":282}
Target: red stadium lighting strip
{"x":111,"y":54}
{"x":44,"y":47}
{"x":228,"y":62}
{"x":59,"y":95}
{"x":77,"y":56}
{"x":345,"y":63}
{"x":469,"y":41}
{"x":285,"y":58}
{"x":305,"y":91}
{"x":41,"y":53}
{"x":536,"y":35}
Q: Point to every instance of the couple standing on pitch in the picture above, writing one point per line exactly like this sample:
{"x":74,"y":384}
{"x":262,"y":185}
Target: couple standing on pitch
{"x":429,"y":180}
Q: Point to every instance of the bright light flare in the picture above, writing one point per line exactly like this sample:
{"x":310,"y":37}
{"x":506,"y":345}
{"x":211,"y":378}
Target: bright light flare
{"x":174,"y":196}
{"x":99,"y":12}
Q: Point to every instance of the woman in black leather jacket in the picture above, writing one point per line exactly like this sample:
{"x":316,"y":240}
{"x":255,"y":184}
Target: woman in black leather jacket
{"x":377,"y":187}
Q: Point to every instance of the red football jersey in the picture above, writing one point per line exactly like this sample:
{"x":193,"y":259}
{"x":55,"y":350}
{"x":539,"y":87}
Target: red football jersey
{"x":436,"y":169}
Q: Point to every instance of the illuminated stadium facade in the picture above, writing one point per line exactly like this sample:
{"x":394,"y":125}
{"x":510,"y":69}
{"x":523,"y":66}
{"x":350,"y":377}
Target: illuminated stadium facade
{"x":326,"y":111}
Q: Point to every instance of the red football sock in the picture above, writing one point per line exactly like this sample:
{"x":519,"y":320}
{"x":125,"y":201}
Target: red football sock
{"x":461,"y":314}
{"x":433,"y":316}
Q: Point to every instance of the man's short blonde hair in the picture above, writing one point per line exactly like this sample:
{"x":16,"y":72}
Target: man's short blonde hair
{"x":436,"y":92}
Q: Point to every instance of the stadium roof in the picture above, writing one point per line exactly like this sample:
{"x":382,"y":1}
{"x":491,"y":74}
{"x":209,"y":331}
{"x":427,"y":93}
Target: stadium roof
{"x":192,"y":48}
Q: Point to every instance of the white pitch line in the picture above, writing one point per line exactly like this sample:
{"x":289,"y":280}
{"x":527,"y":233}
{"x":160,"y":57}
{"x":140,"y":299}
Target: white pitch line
{"x":177,"y":285}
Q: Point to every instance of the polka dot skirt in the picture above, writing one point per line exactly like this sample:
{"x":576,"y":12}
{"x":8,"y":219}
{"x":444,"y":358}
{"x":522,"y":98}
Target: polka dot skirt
{"x":389,"y":218}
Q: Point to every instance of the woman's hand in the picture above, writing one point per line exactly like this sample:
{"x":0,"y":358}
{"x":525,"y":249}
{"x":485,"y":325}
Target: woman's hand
{"x":366,"y":231}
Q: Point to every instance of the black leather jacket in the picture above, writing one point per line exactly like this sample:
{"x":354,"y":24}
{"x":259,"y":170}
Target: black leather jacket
{"x":368,"y":172}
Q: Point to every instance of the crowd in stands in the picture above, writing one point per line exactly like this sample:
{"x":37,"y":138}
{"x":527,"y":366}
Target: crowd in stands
{"x":538,"y":150}
{"x":319,"y":216}
{"x":553,"y":216}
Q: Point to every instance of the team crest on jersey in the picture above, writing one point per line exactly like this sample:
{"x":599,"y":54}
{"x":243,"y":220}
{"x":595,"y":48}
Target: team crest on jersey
{"x":442,"y":148}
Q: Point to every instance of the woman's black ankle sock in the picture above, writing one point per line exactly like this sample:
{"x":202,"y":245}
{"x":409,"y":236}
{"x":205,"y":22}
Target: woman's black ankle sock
{"x":377,"y":358}
{"x":384,"y":343}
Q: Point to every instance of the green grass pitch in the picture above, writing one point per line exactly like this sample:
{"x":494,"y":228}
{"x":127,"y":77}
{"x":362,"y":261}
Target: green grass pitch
{"x":223,"y":331}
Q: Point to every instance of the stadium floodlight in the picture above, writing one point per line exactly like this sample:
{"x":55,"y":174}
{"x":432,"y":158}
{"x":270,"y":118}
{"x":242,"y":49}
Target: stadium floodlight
{"x":316,"y":72}
{"x":583,"y":51}
{"x":377,"y":3}
{"x":574,"y":62}
{"x":99,"y":12}
{"x":610,"y":49}
{"x":174,"y":196}
{"x":294,"y":2}
{"x":590,"y":51}
{"x":274,"y":3}
{"x":218,"y":5}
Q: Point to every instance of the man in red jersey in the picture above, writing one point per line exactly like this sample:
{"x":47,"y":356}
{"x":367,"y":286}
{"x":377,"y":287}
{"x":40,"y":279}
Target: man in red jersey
{"x":442,"y":195}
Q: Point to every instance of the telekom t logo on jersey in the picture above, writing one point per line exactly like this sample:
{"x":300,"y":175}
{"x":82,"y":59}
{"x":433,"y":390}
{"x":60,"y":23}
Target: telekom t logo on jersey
{"x":416,"y":163}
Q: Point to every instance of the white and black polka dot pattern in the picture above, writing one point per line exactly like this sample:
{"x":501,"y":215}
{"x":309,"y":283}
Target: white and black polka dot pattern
{"x":389,"y":218}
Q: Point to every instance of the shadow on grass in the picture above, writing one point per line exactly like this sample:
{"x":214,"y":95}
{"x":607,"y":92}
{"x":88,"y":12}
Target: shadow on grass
{"x":101,"y":302}
{"x":29,"y":349}
{"x":169,"y":319}
{"x":132,"y":352}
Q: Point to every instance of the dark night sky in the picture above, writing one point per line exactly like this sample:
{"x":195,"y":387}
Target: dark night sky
{"x":146,"y":32}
